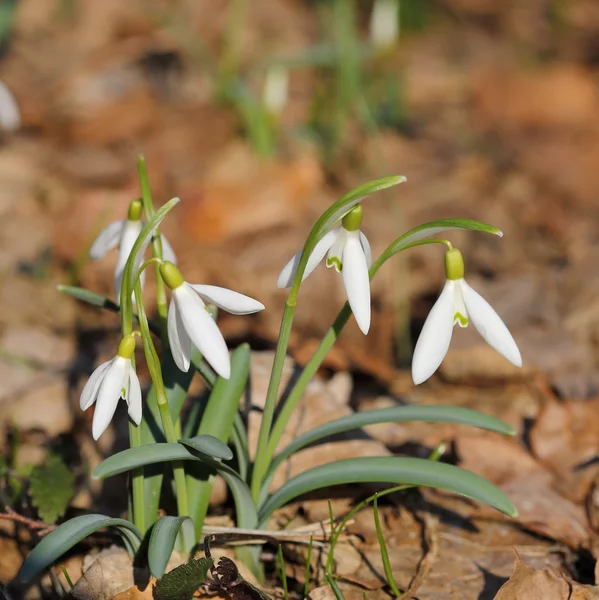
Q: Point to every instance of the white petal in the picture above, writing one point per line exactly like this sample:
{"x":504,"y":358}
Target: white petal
{"x":167,"y":251}
{"x":107,"y":239}
{"x":233,"y":302}
{"x":288,"y":273}
{"x":356,"y":281}
{"x":434,"y":339}
{"x":202,"y":330}
{"x":110,"y":392}
{"x":366,"y":247}
{"x":10,"y":116}
{"x":489,"y":325}
{"x":134,"y":397}
{"x":130,"y":233}
{"x":178,"y":340}
{"x":90,"y":389}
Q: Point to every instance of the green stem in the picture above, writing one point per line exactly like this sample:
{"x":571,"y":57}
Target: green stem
{"x":165,"y":414}
{"x":304,"y":379}
{"x":161,"y":300}
{"x":137,"y":475}
{"x":318,"y":357}
{"x":262,"y":459}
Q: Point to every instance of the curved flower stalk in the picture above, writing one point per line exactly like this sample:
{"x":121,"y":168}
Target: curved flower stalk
{"x":349,"y":252}
{"x":458,"y":303}
{"x":189,"y":322}
{"x":123,"y":234}
{"x":111,"y":381}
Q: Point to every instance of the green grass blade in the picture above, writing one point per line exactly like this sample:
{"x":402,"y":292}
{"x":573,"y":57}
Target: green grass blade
{"x":388,"y":469}
{"x":62,"y":539}
{"x":394,"y":414}
{"x":384,"y":552}
{"x":162,"y":542}
{"x":333,"y":584}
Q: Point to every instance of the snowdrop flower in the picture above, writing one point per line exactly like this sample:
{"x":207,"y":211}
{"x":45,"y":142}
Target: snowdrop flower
{"x":111,"y":381}
{"x":190,"y":323}
{"x":384,"y":24}
{"x":124,"y":233}
{"x":458,"y":303}
{"x":349,"y":252}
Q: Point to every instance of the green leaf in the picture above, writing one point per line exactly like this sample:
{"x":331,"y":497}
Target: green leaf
{"x":333,"y":214}
{"x":208,"y":445}
{"x":51,"y":487}
{"x":394,"y":414}
{"x":426,"y":230}
{"x":62,"y":539}
{"x":157,"y":453}
{"x":162,"y":541}
{"x":218,"y":419}
{"x":389,"y":469}
{"x":183,"y":581}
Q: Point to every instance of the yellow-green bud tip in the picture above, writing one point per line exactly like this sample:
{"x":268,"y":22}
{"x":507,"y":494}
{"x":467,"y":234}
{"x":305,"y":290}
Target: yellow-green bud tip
{"x":127,"y":347}
{"x":454,"y":264}
{"x":171,"y":275}
{"x":353,"y":219}
{"x":135,"y":209}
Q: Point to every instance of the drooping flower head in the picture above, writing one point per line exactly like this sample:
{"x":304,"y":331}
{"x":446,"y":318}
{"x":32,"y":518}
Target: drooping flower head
{"x":111,"y":381}
{"x":190,"y":323}
{"x":123,"y":234}
{"x":349,"y":252}
{"x":458,"y":304}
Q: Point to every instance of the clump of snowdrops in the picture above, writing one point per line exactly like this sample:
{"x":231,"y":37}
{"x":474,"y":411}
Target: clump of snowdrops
{"x":182,"y":456}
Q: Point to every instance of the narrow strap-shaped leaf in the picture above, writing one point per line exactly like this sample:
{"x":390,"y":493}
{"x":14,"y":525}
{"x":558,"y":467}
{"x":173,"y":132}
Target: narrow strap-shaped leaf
{"x":62,"y":539}
{"x":397,"y":414}
{"x":163,"y":452}
{"x":162,"y":541}
{"x":209,"y":445}
{"x":389,"y":469}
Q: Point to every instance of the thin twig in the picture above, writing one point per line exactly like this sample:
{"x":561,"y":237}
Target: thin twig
{"x":39,"y":526}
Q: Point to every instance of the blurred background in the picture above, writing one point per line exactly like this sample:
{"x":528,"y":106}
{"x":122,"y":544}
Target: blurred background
{"x":259,"y":114}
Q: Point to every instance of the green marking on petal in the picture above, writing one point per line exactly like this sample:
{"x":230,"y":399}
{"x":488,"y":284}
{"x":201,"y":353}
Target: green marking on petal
{"x":335,"y":262}
{"x":460,"y":319}
{"x":123,"y":393}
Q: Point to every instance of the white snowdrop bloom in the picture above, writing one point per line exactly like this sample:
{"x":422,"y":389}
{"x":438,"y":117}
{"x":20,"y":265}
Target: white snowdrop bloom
{"x":458,"y":303}
{"x":276,"y":89}
{"x":349,"y":252}
{"x":190,"y":323}
{"x":384,"y":23}
{"x":111,"y":381}
{"x":124,"y":233}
